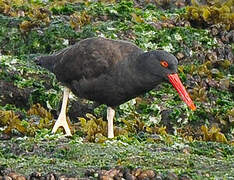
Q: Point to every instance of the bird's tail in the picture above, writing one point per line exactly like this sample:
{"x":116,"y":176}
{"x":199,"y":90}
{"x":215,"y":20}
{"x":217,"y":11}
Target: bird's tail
{"x":45,"y":62}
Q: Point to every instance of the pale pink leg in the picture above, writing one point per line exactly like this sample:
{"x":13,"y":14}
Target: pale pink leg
{"x":62,"y":120}
{"x":110,"y":117}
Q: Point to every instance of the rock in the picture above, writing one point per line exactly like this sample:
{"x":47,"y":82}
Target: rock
{"x":171,"y":176}
{"x":185,"y":177}
{"x":118,"y":177}
{"x":5,"y":178}
{"x":17,"y":96}
{"x":106,"y":177}
{"x":109,"y":175}
{"x":212,"y":56}
{"x":129,"y":176}
{"x":90,"y":172}
{"x":136,"y":172}
{"x":5,"y":137}
{"x":158,"y":177}
{"x":35,"y":176}
{"x":51,"y":176}
{"x":214,"y":31}
{"x":21,"y":178}
{"x":180,"y":55}
{"x":16,"y":176}
{"x":147,"y":174}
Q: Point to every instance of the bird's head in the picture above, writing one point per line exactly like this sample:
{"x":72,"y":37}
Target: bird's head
{"x":163,"y":65}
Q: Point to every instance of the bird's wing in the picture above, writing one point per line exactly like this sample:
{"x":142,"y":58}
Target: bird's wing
{"x":91,"y":58}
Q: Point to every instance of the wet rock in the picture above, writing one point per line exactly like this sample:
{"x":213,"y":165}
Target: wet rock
{"x":18,"y":97}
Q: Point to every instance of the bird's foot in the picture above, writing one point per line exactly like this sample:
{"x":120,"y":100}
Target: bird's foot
{"x":62,"y":122}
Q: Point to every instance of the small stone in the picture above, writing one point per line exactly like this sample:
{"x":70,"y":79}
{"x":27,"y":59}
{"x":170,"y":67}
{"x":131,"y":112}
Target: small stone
{"x":73,"y":178}
{"x":185,"y":177}
{"x":90,"y":172}
{"x":158,"y":177}
{"x":108,"y":175}
{"x":225,"y":38}
{"x":62,"y":178}
{"x":105,"y":177}
{"x":172,"y":176}
{"x":129,"y":176}
{"x":180,"y":55}
{"x":117,"y":177}
{"x":104,"y":18}
{"x":146,"y":174}
{"x":21,"y":178}
{"x":5,"y":137}
{"x":156,"y":25}
{"x":35,"y":176}
{"x":212,"y":56}
{"x":113,"y":172}
{"x":214,"y":31}
{"x":150,"y":173}
{"x":51,"y":176}
{"x":142,"y":176}
{"x":137,"y":172}
{"x":186,"y":150}
{"x":224,"y":83}
{"x":215,"y":72}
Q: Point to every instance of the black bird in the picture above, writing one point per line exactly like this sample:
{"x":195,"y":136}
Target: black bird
{"x":110,"y":72}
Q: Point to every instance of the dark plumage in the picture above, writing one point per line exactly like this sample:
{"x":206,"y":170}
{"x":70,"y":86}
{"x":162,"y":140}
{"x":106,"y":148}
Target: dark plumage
{"x":109,"y":71}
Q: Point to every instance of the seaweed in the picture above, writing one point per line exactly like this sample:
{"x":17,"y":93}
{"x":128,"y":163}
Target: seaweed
{"x":94,"y":129}
{"x":37,"y":118}
{"x":11,"y":121}
{"x":210,"y":13}
{"x":213,"y":134}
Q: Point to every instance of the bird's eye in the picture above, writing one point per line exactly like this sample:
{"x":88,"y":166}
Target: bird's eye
{"x":164,"y":64}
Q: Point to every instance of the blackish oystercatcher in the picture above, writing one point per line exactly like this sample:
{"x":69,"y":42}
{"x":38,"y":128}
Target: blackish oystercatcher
{"x":110,"y":72}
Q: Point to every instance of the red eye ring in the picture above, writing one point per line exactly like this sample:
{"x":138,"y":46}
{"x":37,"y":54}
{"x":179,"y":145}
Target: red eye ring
{"x":164,"y":63}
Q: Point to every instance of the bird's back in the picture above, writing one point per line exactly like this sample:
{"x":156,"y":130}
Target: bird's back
{"x":91,"y":58}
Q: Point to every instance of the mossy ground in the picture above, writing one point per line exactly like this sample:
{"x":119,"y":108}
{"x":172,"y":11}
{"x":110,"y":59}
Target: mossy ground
{"x":72,"y":157}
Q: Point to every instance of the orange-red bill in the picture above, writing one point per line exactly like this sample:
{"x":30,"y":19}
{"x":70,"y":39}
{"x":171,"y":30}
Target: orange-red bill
{"x":175,"y":81}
